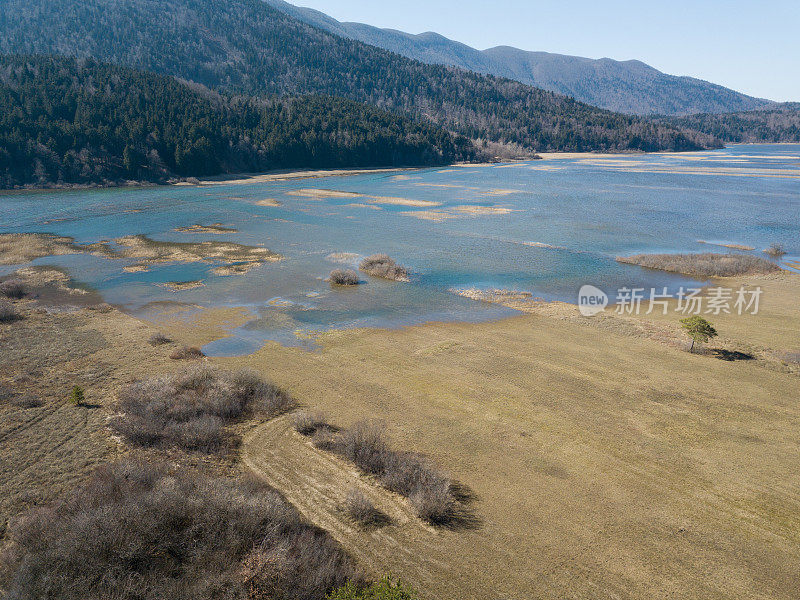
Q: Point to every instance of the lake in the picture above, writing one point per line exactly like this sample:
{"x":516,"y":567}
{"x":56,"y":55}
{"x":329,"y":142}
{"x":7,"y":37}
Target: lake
{"x":544,"y":226}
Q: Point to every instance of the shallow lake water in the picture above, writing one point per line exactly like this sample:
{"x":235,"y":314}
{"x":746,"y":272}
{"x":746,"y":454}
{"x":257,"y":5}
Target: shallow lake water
{"x":546,"y":227}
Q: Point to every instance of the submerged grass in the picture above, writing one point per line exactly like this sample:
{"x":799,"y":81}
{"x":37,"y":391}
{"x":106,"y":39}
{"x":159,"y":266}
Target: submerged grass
{"x":23,"y":248}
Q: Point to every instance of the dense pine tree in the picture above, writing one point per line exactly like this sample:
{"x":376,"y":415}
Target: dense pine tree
{"x":774,"y":125}
{"x":66,"y":120}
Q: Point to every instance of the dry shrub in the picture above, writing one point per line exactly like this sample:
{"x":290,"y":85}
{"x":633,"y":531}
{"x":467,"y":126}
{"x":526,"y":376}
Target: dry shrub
{"x":359,"y":508}
{"x":324,"y":439}
{"x":343,"y":277}
{"x":380,"y":265}
{"x":158,"y":339}
{"x":364,"y":444}
{"x":7,"y":312}
{"x":409,"y":474}
{"x":12,"y":288}
{"x":704,"y":265}
{"x":775,"y":251}
{"x":307,"y":424}
{"x":190,"y":409}
{"x":138,"y":531}
{"x":187,"y":353}
{"x":435,"y":503}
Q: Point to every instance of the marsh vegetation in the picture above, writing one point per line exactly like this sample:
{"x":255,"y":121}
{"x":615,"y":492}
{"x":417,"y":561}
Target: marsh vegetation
{"x":380,"y":265}
{"x":343,"y":277}
{"x":704,"y":265}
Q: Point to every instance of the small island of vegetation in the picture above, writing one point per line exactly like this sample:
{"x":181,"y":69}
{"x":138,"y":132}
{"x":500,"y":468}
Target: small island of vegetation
{"x":704,"y":265}
{"x":380,"y":265}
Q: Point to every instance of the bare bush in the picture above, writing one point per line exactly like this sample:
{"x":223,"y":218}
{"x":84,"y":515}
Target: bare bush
{"x":435,"y":503}
{"x":704,"y":265}
{"x":324,"y":439}
{"x":158,"y":339}
{"x":775,"y":251}
{"x":12,"y":288}
{"x":380,"y":265}
{"x":306,"y":423}
{"x":190,"y":409}
{"x":343,"y":277}
{"x":359,"y":508}
{"x":409,"y":474}
{"x":149,"y":532}
{"x":7,"y":312}
{"x":266,"y":399}
{"x":187,"y":353}
{"x":365,"y":445}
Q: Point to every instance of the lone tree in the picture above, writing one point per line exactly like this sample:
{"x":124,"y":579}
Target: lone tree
{"x":76,"y":398}
{"x":698,"y":329}
{"x":775,"y":251}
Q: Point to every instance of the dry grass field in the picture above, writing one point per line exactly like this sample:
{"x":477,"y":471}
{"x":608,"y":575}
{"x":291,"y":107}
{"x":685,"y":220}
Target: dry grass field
{"x":605,"y":461}
{"x":605,"y":465}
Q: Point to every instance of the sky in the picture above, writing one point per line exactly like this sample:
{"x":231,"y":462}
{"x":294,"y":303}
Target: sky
{"x":750,"y":46}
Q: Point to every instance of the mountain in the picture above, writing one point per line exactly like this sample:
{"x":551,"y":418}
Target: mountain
{"x":246,"y":46}
{"x":623,"y":86}
{"x":778,"y":124}
{"x":75,"y":121}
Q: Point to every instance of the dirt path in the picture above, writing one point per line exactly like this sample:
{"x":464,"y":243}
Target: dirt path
{"x":317,"y":484}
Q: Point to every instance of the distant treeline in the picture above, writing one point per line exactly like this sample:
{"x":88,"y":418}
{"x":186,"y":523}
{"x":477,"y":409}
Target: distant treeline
{"x":247,"y":47}
{"x":76,"y":121}
{"x":780,"y":124}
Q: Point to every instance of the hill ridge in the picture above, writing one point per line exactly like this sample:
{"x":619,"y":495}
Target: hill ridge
{"x":593,"y":81}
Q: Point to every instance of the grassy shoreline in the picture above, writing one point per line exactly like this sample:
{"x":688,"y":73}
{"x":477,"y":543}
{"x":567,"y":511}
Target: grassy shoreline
{"x":233,"y":178}
{"x":296,"y":174}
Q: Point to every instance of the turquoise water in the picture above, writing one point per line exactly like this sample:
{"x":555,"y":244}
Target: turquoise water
{"x":578,"y":213}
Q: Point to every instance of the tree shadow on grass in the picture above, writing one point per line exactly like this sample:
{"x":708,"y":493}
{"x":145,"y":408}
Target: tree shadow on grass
{"x":731,"y":355}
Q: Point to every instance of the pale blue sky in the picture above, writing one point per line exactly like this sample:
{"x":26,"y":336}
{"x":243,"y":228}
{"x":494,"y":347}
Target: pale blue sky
{"x":752,"y":46}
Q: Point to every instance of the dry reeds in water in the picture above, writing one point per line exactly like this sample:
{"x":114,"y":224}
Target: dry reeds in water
{"x":704,"y":265}
{"x":380,"y":265}
{"x":343,"y":277}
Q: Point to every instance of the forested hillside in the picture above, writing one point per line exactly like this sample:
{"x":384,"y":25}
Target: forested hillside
{"x":780,"y":124}
{"x":246,"y":46}
{"x":628,"y":86}
{"x":66,"y":120}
